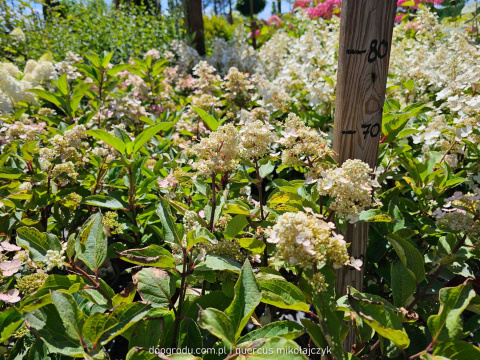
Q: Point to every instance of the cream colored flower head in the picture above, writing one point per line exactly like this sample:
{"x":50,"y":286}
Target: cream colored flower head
{"x":306,"y":240}
{"x":256,"y":138}
{"x":350,"y":186}
{"x":304,"y":146}
{"x":217,"y":153}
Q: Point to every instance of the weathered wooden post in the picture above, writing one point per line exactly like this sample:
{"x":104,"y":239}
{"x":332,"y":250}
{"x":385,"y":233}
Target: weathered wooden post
{"x":365,"y":41}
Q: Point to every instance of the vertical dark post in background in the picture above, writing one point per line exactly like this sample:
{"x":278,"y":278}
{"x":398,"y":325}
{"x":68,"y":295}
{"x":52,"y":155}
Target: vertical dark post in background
{"x":194,"y":24}
{"x":253,"y":26}
{"x":365,"y":41}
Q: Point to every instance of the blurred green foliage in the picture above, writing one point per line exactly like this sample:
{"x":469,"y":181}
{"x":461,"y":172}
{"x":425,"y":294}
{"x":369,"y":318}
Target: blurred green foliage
{"x":83,"y":27}
{"x":218,"y":26}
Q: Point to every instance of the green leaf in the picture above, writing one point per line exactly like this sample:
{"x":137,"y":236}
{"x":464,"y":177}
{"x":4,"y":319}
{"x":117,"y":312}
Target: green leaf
{"x":109,"y":139}
{"x":247,"y":297}
{"x":37,"y":243}
{"x":285,"y":329}
{"x":379,"y":317}
{"x":102,"y":328}
{"x":146,"y":333}
{"x":155,"y":286}
{"x":189,"y":335}
{"x":217,"y":323}
{"x":45,"y":95}
{"x":148,"y":133}
{"x":256,"y":246}
{"x":447,"y":325}
{"x":94,"y":59}
{"x":171,"y":232}
{"x":409,"y":255}
{"x":236,"y":225}
{"x":62,"y":84}
{"x":91,"y":245}
{"x":374,"y":215}
{"x":266,"y":169}
{"x":72,"y":317}
{"x":219,"y":263}
{"x":103,"y":201}
{"x":456,"y":350}
{"x":10,"y":320}
{"x":48,"y":325}
{"x":208,"y":119}
{"x":403,"y":284}
{"x":153,"y":255}
{"x":106,"y":59}
{"x":69,"y":284}
{"x":284,"y":295}
{"x":314,"y":331}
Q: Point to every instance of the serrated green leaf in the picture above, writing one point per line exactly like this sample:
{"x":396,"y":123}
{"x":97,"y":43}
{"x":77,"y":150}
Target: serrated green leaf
{"x":155,"y":286}
{"x":247,"y":297}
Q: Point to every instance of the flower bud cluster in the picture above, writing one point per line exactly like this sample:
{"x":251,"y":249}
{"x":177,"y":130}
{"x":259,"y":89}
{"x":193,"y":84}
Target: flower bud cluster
{"x":27,"y":285}
{"x":111,"y":223}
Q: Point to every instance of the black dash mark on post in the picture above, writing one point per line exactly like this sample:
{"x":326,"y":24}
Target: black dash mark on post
{"x":356,"y":52}
{"x":349,"y":132}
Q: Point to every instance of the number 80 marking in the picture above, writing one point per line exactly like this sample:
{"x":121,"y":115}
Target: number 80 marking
{"x":377,"y":50}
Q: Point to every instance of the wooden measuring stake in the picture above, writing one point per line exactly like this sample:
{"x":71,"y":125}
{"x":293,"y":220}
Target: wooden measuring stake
{"x":365,"y":41}
{"x":364,"y":53}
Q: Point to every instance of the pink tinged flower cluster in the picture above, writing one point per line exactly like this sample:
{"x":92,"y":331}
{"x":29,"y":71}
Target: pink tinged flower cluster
{"x":325,"y":9}
{"x":11,"y":297}
{"x":274,"y":20}
{"x":418,"y":2}
{"x":6,"y":246}
{"x":8,"y":268}
{"x":301,"y":4}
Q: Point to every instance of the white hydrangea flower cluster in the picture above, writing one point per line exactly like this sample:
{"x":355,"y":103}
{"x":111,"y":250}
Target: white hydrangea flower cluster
{"x":455,"y":219}
{"x":24,"y":130}
{"x":190,"y":221}
{"x":304,"y":146}
{"x":207,"y":82}
{"x":37,"y":73}
{"x":186,"y":56}
{"x":25,"y":186}
{"x":256,"y":138}
{"x":235,"y":53}
{"x":18,"y":35}
{"x":350,"y":186}
{"x":154,"y":54}
{"x":217,"y":154}
{"x":237,"y":85}
{"x":55,"y":259}
{"x":306,"y":240}
{"x":67,"y":146}
{"x":461,"y":214}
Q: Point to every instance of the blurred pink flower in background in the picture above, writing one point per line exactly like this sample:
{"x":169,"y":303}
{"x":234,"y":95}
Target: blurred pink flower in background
{"x":257,"y":32}
{"x":325,"y":9}
{"x":274,"y":20}
{"x":418,"y":2}
{"x":399,"y":17}
{"x":301,"y":4}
